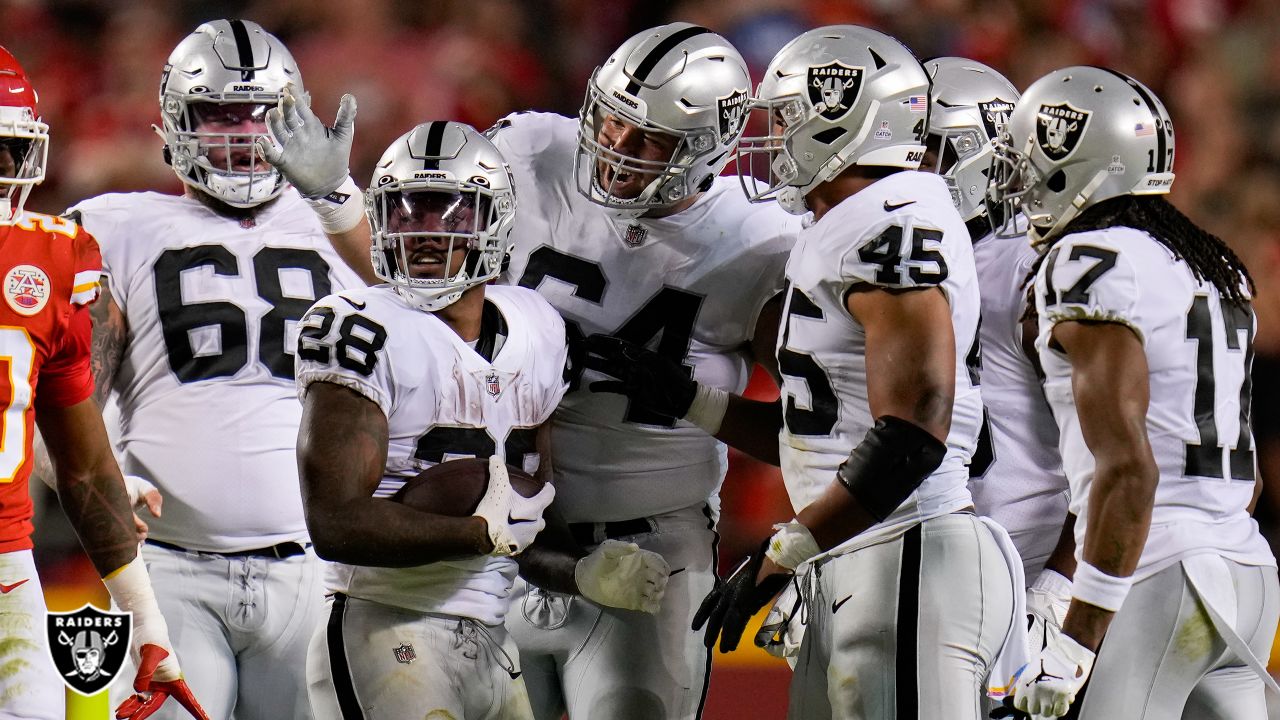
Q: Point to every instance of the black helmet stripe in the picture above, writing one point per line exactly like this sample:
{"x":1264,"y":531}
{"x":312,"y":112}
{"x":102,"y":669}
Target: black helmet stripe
{"x":655,"y":56}
{"x":1161,"y":147}
{"x":244,"y":47}
{"x":435,"y":138}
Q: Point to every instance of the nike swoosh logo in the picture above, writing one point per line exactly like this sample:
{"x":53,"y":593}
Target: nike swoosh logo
{"x":890,"y":208}
{"x":836,"y":605}
{"x":513,"y":521}
{"x":353,"y":303}
{"x":6,"y":589}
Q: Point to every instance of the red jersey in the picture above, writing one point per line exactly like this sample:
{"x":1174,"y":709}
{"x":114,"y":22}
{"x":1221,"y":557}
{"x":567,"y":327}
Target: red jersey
{"x":49,"y":270}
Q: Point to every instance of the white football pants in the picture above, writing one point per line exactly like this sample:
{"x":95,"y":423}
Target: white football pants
{"x":30,"y":688}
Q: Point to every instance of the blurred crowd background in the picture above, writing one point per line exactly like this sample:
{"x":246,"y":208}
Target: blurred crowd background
{"x":1215,"y":63}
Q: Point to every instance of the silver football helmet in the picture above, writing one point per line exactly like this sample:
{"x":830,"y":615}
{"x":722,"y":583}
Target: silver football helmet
{"x":214,"y":94}
{"x":970,"y":106}
{"x":1079,"y":136}
{"x":680,"y":80}
{"x":832,"y":98}
{"x":439,"y":189}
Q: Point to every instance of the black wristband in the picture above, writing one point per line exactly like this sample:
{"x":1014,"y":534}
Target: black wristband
{"x":892,"y":460}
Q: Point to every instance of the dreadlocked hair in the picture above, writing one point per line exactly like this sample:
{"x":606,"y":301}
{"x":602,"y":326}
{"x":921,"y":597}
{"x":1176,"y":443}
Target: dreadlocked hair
{"x":1207,"y":255}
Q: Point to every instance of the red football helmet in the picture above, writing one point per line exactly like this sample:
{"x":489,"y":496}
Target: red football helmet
{"x":24,"y":140}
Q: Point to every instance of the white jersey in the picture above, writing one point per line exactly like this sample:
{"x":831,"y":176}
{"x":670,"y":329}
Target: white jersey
{"x":443,"y":401}
{"x":691,"y":285}
{"x":900,"y":232}
{"x":1016,"y":474}
{"x":205,"y":386}
{"x":1199,"y":350}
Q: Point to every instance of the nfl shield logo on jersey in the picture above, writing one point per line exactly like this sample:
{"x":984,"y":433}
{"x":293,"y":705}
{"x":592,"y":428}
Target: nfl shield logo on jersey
{"x":492,"y":385}
{"x":89,"y":646}
{"x":635,"y":235}
{"x":405,"y":654}
{"x":1058,"y":129}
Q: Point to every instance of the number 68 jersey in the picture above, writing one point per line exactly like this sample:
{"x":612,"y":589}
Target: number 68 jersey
{"x":443,"y":401}
{"x":1199,"y":351}
{"x":901,"y":232}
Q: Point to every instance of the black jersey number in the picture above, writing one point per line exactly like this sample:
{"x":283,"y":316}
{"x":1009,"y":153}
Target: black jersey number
{"x":453,"y":442}
{"x":1205,"y":458}
{"x":820,"y":419}
{"x":359,"y":340}
{"x":669,"y":316}
{"x":178,"y":319}
{"x":1078,"y":294}
{"x":887,"y":251}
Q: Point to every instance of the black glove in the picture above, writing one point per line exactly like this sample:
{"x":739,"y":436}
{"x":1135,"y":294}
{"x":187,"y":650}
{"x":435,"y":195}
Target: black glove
{"x":727,"y":608}
{"x":648,"y":379}
{"x":1007,"y":711}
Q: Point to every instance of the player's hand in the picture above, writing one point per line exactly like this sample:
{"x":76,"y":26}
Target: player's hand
{"x":1047,"y":601}
{"x":648,"y":379}
{"x":728,"y":607}
{"x":151,"y":693}
{"x":513,"y":520}
{"x":782,"y":631}
{"x":621,"y":575}
{"x":316,"y":159}
{"x":1046,"y":687}
{"x":142,"y":492}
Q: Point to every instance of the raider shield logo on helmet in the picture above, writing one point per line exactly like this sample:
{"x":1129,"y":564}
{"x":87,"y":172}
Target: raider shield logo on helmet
{"x":995,"y":115}
{"x":1058,"y":129}
{"x":834,"y":88}
{"x":89,"y":646}
{"x":730,"y":111}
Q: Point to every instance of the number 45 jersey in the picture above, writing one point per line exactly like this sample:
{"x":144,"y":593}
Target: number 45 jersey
{"x":1199,"y":352}
{"x":208,"y":407}
{"x":899,"y":233}
{"x":690,"y":285}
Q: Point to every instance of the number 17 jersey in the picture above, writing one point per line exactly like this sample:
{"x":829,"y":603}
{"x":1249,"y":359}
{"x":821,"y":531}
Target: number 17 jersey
{"x":689,"y":285}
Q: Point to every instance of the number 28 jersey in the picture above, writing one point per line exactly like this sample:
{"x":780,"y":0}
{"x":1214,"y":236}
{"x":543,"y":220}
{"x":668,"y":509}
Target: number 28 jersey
{"x":898,"y":233}
{"x":1199,"y":351}
{"x":205,"y":387}
{"x":442,"y":401}
{"x":690,"y":285}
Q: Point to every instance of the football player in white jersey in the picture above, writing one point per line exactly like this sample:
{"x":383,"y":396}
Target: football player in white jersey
{"x":880,"y":414}
{"x":1145,"y":337}
{"x":627,"y":230}
{"x":1016,"y":473}
{"x":195,"y":335}
{"x":429,"y":367}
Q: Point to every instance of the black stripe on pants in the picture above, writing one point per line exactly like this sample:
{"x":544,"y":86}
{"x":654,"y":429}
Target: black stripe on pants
{"x":338,"y":668}
{"x":907,"y":690}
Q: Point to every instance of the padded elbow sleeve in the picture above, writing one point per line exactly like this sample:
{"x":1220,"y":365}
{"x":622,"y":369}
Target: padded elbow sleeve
{"x":889,"y":464}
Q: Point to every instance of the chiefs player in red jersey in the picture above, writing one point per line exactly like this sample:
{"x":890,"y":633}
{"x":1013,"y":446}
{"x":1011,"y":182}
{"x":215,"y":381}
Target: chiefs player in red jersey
{"x":49,"y":270}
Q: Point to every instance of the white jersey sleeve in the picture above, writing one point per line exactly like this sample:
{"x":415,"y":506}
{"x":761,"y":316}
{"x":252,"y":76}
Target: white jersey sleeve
{"x":1087,"y":277}
{"x":901,"y":250}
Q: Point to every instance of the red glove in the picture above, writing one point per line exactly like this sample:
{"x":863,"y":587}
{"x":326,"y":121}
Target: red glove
{"x":152,"y":694}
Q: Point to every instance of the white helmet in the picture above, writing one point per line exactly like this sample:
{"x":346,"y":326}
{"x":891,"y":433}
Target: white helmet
{"x":971,"y":104}
{"x":1079,"y":136}
{"x":678,"y":79}
{"x":24,"y":135}
{"x":844,"y":95}
{"x":236,"y":68}
{"x":444,"y":181}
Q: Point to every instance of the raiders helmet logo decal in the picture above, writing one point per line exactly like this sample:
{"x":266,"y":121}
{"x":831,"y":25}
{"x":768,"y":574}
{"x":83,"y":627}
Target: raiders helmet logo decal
{"x":89,"y":646}
{"x":730,"y":111}
{"x":834,"y":88}
{"x":1059,"y":128}
{"x":995,"y":116}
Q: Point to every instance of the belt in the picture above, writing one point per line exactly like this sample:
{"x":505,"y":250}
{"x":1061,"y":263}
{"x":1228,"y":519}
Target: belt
{"x":280,"y":551}
{"x":587,"y":533}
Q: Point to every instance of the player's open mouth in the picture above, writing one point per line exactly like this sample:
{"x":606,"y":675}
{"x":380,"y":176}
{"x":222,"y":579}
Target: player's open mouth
{"x":619,"y":182}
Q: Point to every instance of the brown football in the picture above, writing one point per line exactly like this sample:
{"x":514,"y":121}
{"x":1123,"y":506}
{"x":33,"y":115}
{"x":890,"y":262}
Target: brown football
{"x":454,"y":488}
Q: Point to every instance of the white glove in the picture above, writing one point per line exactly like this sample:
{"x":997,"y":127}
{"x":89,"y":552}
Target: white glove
{"x":621,"y":575}
{"x":1048,"y":684}
{"x":513,"y":520}
{"x":1047,"y":601}
{"x":314,"y":158}
{"x":783,"y":629}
